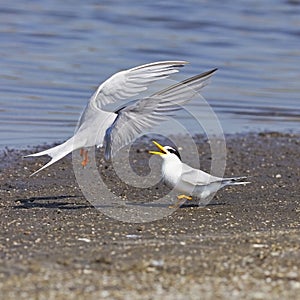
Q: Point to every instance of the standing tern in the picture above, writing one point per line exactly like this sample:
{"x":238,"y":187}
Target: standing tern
{"x":114,"y":129}
{"x":187,"y":180}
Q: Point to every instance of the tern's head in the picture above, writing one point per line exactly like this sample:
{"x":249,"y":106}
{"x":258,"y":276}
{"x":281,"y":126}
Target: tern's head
{"x":166,"y":152}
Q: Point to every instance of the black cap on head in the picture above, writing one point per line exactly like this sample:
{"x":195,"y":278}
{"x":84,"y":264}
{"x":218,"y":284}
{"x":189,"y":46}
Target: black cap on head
{"x":173,"y":150}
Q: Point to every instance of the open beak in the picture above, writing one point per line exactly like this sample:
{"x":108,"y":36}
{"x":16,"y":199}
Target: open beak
{"x":160,"y":147}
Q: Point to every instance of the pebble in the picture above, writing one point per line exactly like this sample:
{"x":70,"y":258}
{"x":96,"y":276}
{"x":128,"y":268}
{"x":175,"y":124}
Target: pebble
{"x":84,"y":240}
{"x":259,"y":246}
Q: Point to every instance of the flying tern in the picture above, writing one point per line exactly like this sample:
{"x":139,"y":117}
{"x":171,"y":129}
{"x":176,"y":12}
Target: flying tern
{"x":100,"y":126}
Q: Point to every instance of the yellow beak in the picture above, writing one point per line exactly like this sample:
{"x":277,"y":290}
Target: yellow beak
{"x":160,"y":147}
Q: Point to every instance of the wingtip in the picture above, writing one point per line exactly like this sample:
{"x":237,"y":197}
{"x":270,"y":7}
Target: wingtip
{"x":212,"y":71}
{"x":178,"y":63}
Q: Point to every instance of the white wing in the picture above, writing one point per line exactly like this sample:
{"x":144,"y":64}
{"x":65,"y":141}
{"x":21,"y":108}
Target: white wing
{"x":147,"y":112}
{"x":129,"y":83}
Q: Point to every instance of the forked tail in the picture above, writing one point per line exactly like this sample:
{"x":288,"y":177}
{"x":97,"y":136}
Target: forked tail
{"x":56,"y":153}
{"x":235,"y":181}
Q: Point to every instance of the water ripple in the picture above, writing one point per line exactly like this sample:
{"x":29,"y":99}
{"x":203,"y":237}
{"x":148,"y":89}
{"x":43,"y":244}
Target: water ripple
{"x":54,"y":54}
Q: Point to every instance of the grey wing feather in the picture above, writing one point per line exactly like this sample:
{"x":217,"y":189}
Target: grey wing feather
{"x":197,"y":177}
{"x":145,"y":113}
{"x":129,"y":83}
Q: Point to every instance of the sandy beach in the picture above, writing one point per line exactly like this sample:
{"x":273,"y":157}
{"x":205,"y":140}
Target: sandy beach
{"x":244,"y":245}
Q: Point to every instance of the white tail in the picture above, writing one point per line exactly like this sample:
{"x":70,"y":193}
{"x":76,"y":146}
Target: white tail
{"x":56,"y":153}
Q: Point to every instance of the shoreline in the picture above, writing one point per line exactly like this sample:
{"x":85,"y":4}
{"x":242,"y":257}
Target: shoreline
{"x":244,"y":245}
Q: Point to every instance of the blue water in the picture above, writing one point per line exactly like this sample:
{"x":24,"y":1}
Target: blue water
{"x":53,"y":55}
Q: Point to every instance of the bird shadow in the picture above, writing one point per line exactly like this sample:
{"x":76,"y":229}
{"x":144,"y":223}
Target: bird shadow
{"x":56,"y":202}
{"x":189,"y":205}
{"x":49,"y":202}
{"x":164,"y":205}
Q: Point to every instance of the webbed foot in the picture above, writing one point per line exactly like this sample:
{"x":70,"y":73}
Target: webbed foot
{"x":180,"y":197}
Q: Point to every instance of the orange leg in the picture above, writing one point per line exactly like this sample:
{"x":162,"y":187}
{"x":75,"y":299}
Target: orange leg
{"x":180,"y":197}
{"x":81,"y":151}
{"x":84,"y":154}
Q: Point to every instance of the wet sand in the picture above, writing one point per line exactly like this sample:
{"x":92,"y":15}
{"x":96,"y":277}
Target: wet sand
{"x":244,"y":245}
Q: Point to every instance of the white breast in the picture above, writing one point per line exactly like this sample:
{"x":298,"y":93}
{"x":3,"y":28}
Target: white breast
{"x":171,"y":170}
{"x":94,"y":127}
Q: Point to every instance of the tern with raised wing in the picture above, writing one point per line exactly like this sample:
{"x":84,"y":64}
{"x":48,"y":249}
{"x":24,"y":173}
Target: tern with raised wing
{"x":100,"y":126}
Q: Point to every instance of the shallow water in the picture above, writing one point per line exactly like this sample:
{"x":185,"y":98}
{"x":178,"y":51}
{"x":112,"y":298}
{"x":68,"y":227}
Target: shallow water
{"x":53,"y":55}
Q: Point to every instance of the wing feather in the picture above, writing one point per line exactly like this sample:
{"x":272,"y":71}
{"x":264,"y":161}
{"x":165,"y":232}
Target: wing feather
{"x":145,"y":113}
{"x":129,"y":83}
{"x":197,"y":177}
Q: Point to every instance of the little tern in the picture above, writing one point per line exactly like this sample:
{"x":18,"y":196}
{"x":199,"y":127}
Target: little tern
{"x":187,"y":180}
{"x":100,"y":126}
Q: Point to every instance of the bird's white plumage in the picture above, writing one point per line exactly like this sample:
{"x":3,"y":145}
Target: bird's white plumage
{"x":128,"y":83}
{"x":100,"y":126}
{"x":187,"y":180}
{"x":145,"y":113}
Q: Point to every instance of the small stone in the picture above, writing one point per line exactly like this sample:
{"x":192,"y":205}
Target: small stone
{"x":84,"y":240}
{"x":132,"y":236}
{"x":292,"y":275}
{"x":259,"y":246}
{"x":105,"y":294}
{"x":157,"y":263}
